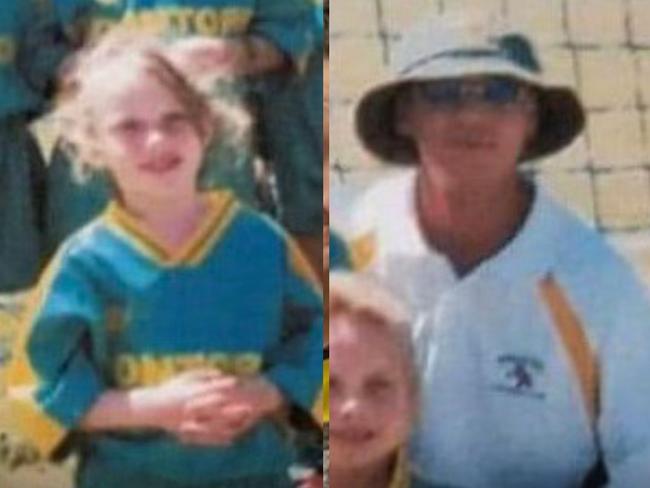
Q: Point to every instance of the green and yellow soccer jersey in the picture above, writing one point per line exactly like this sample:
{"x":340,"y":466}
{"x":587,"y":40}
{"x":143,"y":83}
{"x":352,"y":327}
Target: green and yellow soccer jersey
{"x":30,"y":51}
{"x":115,"y":311}
{"x":285,"y":23}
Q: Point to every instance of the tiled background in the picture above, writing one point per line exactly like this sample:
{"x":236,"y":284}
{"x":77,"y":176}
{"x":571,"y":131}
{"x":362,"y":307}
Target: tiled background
{"x":600,"y":47}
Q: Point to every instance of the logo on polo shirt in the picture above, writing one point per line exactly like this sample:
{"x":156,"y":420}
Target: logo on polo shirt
{"x":519,"y":375}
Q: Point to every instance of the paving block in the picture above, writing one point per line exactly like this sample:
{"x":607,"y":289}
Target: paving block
{"x":542,"y":19}
{"x":643,"y":78}
{"x":624,"y":199}
{"x":600,"y":22}
{"x":475,"y":8}
{"x":615,"y":139}
{"x":355,"y":63}
{"x":353,"y":16}
{"x":399,"y":16}
{"x":640,"y":21}
{"x":608,"y":78}
{"x":572,"y":189}
{"x":559,"y":66}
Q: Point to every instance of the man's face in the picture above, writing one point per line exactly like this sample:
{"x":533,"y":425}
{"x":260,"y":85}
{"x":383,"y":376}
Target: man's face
{"x":470,"y":127}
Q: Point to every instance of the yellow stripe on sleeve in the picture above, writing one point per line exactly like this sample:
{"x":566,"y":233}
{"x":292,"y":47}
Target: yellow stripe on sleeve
{"x":301,"y":266}
{"x":571,"y":332}
{"x":22,"y":380}
{"x":41,"y":429}
{"x":321,"y":409}
{"x":363,"y":251}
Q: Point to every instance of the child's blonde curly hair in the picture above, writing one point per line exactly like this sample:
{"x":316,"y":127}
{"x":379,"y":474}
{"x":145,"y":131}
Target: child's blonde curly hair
{"x":80,"y":87}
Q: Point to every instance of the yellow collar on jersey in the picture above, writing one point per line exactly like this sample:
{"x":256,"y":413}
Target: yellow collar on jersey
{"x":401,"y":477}
{"x":221,"y":208}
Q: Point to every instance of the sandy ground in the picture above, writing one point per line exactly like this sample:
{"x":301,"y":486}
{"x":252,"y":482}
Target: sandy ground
{"x":41,"y":475}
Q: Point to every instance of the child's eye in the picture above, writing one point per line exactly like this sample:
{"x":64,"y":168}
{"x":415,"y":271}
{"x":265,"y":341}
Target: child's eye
{"x":378,"y":386}
{"x":128,"y":127}
{"x":175,"y":121}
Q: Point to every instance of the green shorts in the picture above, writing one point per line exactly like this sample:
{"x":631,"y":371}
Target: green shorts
{"x":291,"y":135}
{"x":119,"y":479}
{"x":22,"y":182}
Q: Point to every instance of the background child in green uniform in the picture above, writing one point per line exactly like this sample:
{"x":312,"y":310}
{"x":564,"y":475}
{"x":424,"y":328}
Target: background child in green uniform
{"x":292,"y":126}
{"x":240,"y":39}
{"x":29,"y":53}
{"x":172,"y":334}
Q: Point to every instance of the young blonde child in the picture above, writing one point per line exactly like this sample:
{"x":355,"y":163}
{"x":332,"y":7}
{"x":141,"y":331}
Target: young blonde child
{"x":373,"y":386}
{"x":239,"y":42}
{"x":170,"y":337}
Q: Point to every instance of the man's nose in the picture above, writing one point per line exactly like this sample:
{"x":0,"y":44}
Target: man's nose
{"x":474,"y":113}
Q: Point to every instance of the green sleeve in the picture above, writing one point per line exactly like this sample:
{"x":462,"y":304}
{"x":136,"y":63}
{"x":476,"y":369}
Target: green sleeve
{"x":53,"y":379}
{"x":296,"y":366}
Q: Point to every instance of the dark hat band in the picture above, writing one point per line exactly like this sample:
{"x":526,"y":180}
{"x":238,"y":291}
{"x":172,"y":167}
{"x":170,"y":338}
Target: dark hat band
{"x":510,"y":47}
{"x":474,"y":53}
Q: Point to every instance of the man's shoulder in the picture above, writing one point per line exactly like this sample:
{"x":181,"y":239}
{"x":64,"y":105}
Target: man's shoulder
{"x":384,"y":203}
{"x":599,"y":280}
{"x":383,"y":221}
{"x":577,"y":245}
{"x":390,"y":188}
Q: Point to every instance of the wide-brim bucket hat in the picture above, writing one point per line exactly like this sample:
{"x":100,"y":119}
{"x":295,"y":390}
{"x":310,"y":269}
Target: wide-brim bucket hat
{"x":432,"y":51}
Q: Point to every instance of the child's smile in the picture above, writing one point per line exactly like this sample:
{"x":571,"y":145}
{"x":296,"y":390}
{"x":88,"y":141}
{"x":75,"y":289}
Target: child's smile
{"x":352,"y":435}
{"x":161,"y":165}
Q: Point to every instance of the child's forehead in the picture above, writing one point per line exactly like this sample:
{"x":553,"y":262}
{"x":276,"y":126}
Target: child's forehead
{"x":132,"y":92}
{"x":116,"y":76}
{"x":366,"y":338}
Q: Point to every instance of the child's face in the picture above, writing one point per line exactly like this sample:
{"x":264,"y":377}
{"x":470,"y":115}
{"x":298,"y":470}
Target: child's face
{"x":149,"y":143}
{"x":371,"y":396}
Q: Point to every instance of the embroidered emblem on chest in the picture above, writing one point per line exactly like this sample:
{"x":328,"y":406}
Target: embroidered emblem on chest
{"x":520,"y":375}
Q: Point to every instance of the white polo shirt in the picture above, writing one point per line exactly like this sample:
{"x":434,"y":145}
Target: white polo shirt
{"x":502,"y":401}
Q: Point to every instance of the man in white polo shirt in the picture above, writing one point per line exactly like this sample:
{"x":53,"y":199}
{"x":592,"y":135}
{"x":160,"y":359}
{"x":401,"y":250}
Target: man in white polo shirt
{"x":534,"y":333}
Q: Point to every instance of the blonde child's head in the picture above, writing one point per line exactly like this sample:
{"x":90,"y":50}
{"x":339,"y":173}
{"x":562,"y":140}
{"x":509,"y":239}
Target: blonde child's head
{"x":373,"y":381}
{"x":96,"y":81}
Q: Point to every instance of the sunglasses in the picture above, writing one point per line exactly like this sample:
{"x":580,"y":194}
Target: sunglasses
{"x":495,"y":92}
